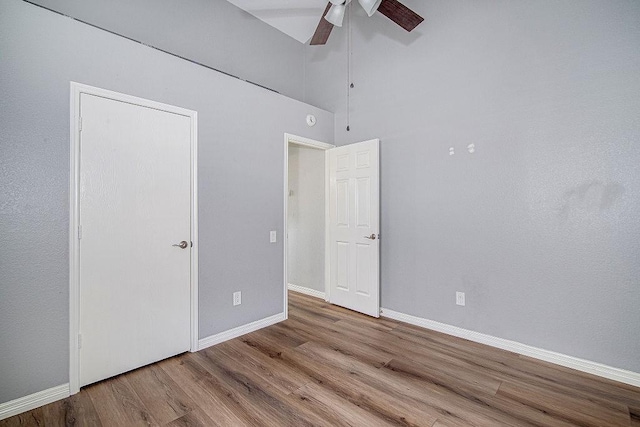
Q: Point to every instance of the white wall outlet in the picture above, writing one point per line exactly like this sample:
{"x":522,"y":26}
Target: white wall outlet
{"x":460,"y":298}
{"x":237,"y":298}
{"x":272,"y":236}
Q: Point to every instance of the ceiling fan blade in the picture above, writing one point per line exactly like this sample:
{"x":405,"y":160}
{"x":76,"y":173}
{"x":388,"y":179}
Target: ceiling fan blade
{"x":323,"y":30}
{"x":400,"y":14}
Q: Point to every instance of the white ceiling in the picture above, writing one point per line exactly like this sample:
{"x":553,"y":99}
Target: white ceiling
{"x":296,"y":18}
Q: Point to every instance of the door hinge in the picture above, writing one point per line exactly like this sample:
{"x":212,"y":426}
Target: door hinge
{"x":79,"y":232}
{"x":79,"y":341}
{"x":80,"y":124}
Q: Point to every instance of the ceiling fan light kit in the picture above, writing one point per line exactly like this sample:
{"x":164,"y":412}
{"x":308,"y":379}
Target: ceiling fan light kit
{"x":334,"y":15}
{"x":370,"y":6}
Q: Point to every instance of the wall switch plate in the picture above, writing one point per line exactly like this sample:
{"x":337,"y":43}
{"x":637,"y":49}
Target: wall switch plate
{"x":272,"y":236}
{"x":237,"y":298}
{"x":460,"y":298}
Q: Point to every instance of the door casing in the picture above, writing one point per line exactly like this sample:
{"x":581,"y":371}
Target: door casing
{"x":74,"y":215}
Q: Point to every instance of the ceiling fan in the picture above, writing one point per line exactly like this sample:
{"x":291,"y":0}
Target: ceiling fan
{"x":334,"y":14}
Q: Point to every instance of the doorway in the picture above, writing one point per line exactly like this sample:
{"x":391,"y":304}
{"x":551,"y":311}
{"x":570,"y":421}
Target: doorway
{"x":332,"y":222}
{"x":133,"y":237}
{"x":305,"y":216}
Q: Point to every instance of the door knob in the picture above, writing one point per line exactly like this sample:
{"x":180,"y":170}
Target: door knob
{"x":372,"y":237}
{"x":182,"y":244}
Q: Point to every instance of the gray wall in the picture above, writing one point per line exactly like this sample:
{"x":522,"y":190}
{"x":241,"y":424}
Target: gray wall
{"x":212,"y":32}
{"x":305,"y":222}
{"x":241,"y":154}
{"x":540,"y":225}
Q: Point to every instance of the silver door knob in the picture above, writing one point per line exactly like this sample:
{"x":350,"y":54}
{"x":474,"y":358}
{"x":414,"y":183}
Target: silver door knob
{"x":372,"y":237}
{"x":182,"y":244}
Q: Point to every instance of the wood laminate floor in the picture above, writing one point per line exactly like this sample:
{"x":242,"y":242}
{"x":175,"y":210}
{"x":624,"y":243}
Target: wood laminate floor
{"x":329,"y":366}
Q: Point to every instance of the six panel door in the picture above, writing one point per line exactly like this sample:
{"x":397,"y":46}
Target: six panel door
{"x":354,"y":218}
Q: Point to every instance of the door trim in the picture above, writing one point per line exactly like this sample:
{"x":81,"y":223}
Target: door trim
{"x":300,"y":140}
{"x":74,"y":214}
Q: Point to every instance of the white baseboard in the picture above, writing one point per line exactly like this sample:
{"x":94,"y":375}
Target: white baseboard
{"x":306,"y":291}
{"x":240,"y":330}
{"x":32,"y":401}
{"x":616,"y":374}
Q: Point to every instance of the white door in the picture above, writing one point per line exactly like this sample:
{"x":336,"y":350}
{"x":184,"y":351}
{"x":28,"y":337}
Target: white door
{"x":135,"y":198}
{"x":354,"y":224}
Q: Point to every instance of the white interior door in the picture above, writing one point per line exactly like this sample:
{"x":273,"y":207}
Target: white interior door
{"x":354,"y":224}
{"x":135,"y":205}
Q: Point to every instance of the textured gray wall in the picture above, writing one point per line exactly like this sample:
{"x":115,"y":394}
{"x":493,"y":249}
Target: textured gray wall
{"x":212,"y":32}
{"x":241,"y":130}
{"x":305,"y":222}
{"x":540,"y":225}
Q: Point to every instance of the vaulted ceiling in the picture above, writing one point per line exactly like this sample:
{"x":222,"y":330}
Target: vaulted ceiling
{"x":296,"y":18}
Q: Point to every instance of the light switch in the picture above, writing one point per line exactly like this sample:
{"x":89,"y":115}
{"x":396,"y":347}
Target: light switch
{"x":272,"y":236}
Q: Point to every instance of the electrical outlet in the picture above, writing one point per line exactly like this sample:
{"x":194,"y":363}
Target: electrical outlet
{"x":237,"y":298}
{"x":272,"y":236}
{"x":460,"y":298}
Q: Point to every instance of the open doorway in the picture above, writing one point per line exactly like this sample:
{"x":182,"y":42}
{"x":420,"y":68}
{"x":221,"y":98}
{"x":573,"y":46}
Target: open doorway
{"x":332,"y":222}
{"x":306,"y":193}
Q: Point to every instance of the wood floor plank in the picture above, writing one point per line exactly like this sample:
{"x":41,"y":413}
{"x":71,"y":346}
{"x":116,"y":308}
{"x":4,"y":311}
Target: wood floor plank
{"x":390,"y":407}
{"x":343,"y":341}
{"x":206,"y":391}
{"x":335,"y":410}
{"x":195,"y":418}
{"x":255,"y":395}
{"x":456,"y":345}
{"x":76,"y":410}
{"x":446,"y":368}
{"x":578,"y":411}
{"x":561,"y":382}
{"x":117,"y":404}
{"x":278,"y":375}
{"x":499,"y":405}
{"x":462,"y":382}
{"x":507,"y":367}
{"x":341,"y":313}
{"x":573,"y":395}
{"x":315,"y":304}
{"x":322,"y":317}
{"x":286,"y":335}
{"x":160,"y":394}
{"x":450,"y":423}
{"x":569,"y":379}
{"x":385,"y":407}
{"x":329,"y":366}
{"x":439,"y":401}
{"x":634,"y":416}
{"x":34,"y":417}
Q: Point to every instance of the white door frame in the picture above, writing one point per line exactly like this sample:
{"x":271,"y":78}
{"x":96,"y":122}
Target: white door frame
{"x":74,"y":214}
{"x":299,"y":140}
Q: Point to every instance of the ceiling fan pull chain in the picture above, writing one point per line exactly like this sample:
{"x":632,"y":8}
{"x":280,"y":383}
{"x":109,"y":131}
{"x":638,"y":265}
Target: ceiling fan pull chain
{"x":349,"y":82}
